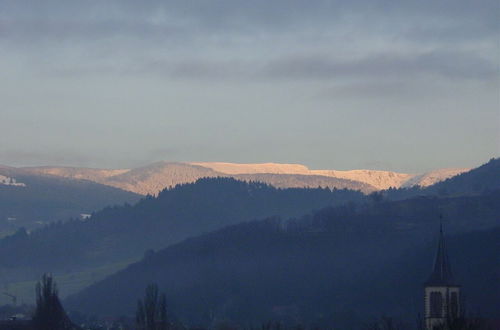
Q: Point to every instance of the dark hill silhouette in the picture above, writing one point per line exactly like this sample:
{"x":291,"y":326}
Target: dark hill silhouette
{"x":483,"y":178}
{"x":325,"y":268}
{"x":120,"y":233}
{"x":44,"y":198}
{"x":476,"y":181}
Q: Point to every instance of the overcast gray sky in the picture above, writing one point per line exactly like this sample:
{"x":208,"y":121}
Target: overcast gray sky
{"x":398,"y":85}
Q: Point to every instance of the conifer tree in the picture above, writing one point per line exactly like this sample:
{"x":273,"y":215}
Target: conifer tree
{"x":49,"y":313}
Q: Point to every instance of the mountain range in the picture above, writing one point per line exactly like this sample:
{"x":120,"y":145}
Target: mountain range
{"x":327,"y":267}
{"x":177,"y":212}
{"x":153,"y":178}
{"x":123,"y":234}
{"x":34,"y":196}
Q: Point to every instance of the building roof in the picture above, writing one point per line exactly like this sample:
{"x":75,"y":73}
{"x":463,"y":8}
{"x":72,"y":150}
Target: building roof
{"x":441,"y":274}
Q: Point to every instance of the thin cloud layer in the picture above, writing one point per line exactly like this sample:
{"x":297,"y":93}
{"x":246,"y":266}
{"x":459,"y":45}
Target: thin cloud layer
{"x":236,"y":38}
{"x":261,"y":63}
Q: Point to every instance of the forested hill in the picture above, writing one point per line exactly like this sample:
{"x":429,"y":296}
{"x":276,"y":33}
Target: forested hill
{"x":30,"y":200}
{"x":327,"y":268}
{"x":476,"y":181}
{"x":124,"y":232}
{"x":483,"y":178}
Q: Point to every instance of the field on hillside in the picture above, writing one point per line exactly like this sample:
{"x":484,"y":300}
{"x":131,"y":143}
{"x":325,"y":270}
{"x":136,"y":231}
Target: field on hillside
{"x":68,"y":283}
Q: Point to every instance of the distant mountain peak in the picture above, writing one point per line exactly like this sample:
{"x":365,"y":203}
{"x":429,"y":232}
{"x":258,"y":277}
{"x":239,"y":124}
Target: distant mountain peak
{"x":153,"y":178}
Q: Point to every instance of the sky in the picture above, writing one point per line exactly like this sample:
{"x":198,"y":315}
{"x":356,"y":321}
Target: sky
{"x":396,"y":85}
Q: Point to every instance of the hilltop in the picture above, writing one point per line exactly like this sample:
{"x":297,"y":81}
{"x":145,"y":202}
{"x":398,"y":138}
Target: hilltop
{"x":153,"y":178}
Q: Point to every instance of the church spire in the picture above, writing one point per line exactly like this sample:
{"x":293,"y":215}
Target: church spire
{"x":441,"y":274}
{"x":442,"y":293}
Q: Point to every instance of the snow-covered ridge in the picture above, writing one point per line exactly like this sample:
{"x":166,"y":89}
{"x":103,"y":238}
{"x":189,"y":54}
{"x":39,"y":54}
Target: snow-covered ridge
{"x":429,"y":178}
{"x":7,"y":181}
{"x":378,"y":179}
{"x":155,"y":177}
{"x":268,"y":168}
{"x":91,"y":174}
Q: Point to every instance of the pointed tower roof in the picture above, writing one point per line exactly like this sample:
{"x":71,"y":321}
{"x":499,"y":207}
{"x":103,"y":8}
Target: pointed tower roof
{"x":441,"y":274}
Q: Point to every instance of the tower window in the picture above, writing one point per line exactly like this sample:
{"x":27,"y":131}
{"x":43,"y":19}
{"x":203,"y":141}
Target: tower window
{"x":436,"y":307}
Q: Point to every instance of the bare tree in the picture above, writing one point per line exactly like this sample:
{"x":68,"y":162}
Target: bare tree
{"x":152,"y":311}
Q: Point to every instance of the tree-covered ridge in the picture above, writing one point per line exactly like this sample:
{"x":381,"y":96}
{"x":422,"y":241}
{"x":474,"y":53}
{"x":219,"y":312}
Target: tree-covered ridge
{"x":44,"y":198}
{"x":483,"y":178}
{"x":120,"y":233}
{"x":476,"y":181}
{"x":123,"y":232}
{"x":319,"y":268}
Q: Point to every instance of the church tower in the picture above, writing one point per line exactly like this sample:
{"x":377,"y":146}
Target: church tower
{"x":442,"y":293}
